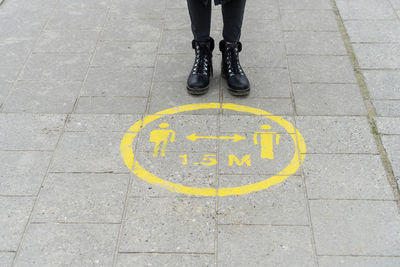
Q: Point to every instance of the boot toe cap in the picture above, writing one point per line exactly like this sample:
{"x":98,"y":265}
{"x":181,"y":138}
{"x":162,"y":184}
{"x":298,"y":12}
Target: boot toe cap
{"x":239,"y":83}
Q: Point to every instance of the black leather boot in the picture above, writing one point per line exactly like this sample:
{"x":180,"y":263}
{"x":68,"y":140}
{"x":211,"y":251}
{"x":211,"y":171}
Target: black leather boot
{"x":199,"y":78}
{"x":238,"y":84}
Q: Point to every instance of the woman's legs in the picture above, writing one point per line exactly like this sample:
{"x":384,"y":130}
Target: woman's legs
{"x":200,"y":16}
{"x":232,"y":13}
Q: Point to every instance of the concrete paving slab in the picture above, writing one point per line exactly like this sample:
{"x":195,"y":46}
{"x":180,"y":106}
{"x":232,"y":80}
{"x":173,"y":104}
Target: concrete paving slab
{"x":22,"y":172}
{"x":346,"y":177}
{"x":14,"y":214}
{"x":61,"y":41}
{"x":6,"y":258}
{"x":365,"y":9}
{"x":68,"y":244}
{"x":323,"y":99}
{"x":373,"y":31}
{"x":332,"y":134}
{"x":172,"y":260}
{"x":82,"y":198}
{"x":43,"y":97}
{"x":305,"y":4}
{"x":100,"y":122}
{"x":182,"y":225}
{"x":88,"y":152}
{"x":387,"y":107}
{"x":391,"y":144}
{"x":77,"y":19}
{"x":283,"y":204}
{"x":154,"y":9}
{"x":314,"y":43}
{"x":354,"y":261}
{"x":308,"y":20}
{"x":345,"y":227}
{"x":132,"y":30}
{"x":383,"y":84}
{"x":377,"y":56}
{"x":30,"y":131}
{"x":108,"y":81}
{"x":125,"y":53}
{"x":321,"y":69}
{"x":239,"y":245}
{"x":388,"y":125}
{"x":111,"y":105}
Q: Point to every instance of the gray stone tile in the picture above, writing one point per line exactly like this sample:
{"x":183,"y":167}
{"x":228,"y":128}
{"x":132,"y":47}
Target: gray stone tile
{"x":43,"y":97}
{"x":373,"y":31}
{"x":245,"y":157}
{"x":365,"y":9}
{"x":345,"y":227}
{"x":61,"y":41}
{"x":269,"y":55}
{"x":280,"y":204}
{"x":173,"y":68}
{"x":68,"y":245}
{"x":166,"y":95}
{"x":30,"y":131}
{"x":323,"y":99}
{"x":383,"y":84}
{"x":100,"y":122}
{"x":141,"y":188}
{"x":182,"y":225}
{"x":123,"y":54}
{"x":305,"y":4}
{"x":231,"y":123}
{"x":261,"y":30}
{"x":14,"y":53}
{"x":171,"y":260}
{"x":111,"y":105}
{"x":5,"y":88}
{"x":388,"y":125}
{"x":239,"y":245}
{"x":17,"y":28}
{"x":395,"y":3}
{"x":267,"y":11}
{"x":88,"y":4}
{"x":132,"y":30}
{"x":82,"y":198}
{"x":336,"y":134}
{"x":314,"y":43}
{"x":354,"y":261}
{"x":346,"y":177}
{"x":323,"y":69}
{"x":266,"y":82}
{"x":138,"y":9}
{"x":89,"y":152}
{"x":177,"y":41}
{"x":276,"y":106}
{"x":77,"y":19}
{"x":392,"y":147}
{"x":377,"y":56}
{"x":9,"y":74}
{"x":129,"y":81}
{"x":22,"y":172}
{"x":56,"y":67}
{"x":6,"y":259}
{"x":178,"y":18}
{"x":387,"y":107}
{"x":312,"y":20}
{"x":14,"y":214}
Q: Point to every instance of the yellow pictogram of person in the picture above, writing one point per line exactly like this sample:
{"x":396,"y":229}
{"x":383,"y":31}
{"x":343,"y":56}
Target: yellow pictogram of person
{"x":161,"y":137}
{"x":266,"y":141}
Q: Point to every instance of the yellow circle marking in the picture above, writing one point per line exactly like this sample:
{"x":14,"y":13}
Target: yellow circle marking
{"x":128,"y":156}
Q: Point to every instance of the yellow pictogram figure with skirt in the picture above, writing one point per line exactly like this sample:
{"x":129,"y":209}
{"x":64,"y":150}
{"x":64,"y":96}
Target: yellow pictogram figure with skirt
{"x":266,"y":141}
{"x":161,"y":137}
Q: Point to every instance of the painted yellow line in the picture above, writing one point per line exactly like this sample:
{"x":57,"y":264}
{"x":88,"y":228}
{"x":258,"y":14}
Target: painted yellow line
{"x":235,"y":138}
{"x":138,"y":170}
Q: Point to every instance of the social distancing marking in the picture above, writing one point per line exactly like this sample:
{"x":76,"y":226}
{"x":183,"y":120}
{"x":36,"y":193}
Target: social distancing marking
{"x":163,"y":135}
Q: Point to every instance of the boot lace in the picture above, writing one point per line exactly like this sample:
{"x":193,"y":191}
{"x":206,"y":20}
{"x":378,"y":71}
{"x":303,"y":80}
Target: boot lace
{"x":232,"y":61}
{"x":202,"y":60}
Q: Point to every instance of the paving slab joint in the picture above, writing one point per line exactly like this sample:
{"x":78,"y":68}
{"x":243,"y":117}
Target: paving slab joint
{"x":368,"y":104}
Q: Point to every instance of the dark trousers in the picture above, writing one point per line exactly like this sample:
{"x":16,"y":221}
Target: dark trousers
{"x":200,"y":16}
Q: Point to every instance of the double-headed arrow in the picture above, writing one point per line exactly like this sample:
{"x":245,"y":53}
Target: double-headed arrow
{"x":235,"y":138}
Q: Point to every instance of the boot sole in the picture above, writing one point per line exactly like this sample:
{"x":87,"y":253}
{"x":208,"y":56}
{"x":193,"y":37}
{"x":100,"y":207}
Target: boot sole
{"x":236,"y":92}
{"x":197,"y":91}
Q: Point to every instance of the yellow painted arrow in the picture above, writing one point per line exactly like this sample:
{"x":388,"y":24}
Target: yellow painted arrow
{"x":235,"y":138}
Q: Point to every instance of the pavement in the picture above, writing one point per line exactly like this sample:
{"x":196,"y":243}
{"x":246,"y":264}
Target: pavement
{"x":303,"y":172}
